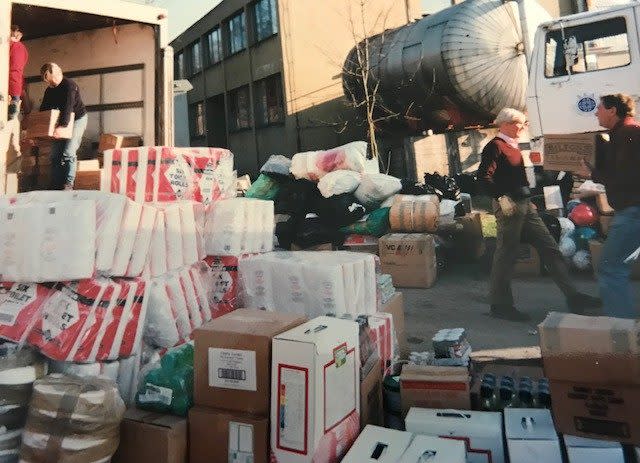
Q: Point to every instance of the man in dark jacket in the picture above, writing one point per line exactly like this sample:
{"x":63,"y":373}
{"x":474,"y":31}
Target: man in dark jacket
{"x":619,"y":171}
{"x":503,"y":175}
{"x":18,"y":57}
{"x":63,"y":94}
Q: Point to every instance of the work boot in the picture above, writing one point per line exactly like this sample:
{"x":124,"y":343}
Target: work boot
{"x":580,"y":303}
{"x":508,"y":313}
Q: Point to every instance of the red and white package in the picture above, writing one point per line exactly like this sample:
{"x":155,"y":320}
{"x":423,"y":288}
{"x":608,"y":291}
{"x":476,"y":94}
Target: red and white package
{"x":67,"y":314}
{"x":189,"y":232}
{"x":114,"y":171}
{"x":223,"y":272}
{"x":381,"y":334}
{"x":213,"y":173}
{"x":158,"y":251}
{"x":130,"y":340}
{"x":174,"y":178}
{"x":179,"y":306}
{"x":114,"y":329}
{"x":20,"y":307}
{"x":193,"y":304}
{"x":136,"y":173}
{"x":198,"y":274}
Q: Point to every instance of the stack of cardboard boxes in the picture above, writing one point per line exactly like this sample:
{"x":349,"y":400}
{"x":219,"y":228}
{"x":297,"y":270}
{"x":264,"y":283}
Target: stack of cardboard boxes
{"x":232,"y":386}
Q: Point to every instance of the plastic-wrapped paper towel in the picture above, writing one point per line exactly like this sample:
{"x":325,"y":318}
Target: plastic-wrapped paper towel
{"x":222,"y":272}
{"x":339,"y":182}
{"x":313,"y":165}
{"x":376,"y":188}
{"x":239,"y":226}
{"x":19,"y":368}
{"x":311,"y":283}
{"x":72,"y":419}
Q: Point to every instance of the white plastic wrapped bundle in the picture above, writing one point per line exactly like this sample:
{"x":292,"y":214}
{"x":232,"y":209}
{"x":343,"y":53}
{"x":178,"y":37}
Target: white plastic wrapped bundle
{"x":311,"y":283}
{"x":179,"y":305}
{"x":339,"y":182}
{"x":127,"y":238}
{"x":142,"y":241}
{"x":161,"y":329}
{"x":173,"y":235}
{"x":376,"y":188}
{"x":313,"y":165}
{"x":239,"y":226}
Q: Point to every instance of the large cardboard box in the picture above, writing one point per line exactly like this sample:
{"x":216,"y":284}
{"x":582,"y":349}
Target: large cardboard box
{"x":42,"y":124}
{"x":480,"y":431}
{"x":316,"y":384}
{"x":371,"y":409}
{"x":434,"y":387}
{"x":566,"y":152}
{"x":531,"y":436}
{"x":217,"y":435}
{"x":409,"y":258}
{"x":595,"y":247}
{"x":582,"y":450}
{"x":395,"y":307}
{"x":148,"y":436}
{"x":435,"y":450}
{"x":118,"y":140}
{"x":593,"y":364}
{"x":233,"y":358}
{"x":528,"y":262}
{"x":88,"y":175}
{"x":377,"y":444}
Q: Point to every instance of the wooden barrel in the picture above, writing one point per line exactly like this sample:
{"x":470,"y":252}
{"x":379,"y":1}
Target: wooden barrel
{"x":414,"y":213}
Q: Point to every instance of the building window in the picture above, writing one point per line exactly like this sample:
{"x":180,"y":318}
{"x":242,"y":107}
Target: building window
{"x":195,"y":56}
{"x":214,"y":46}
{"x":269,"y":101}
{"x":239,"y":109}
{"x":196,"y":122}
{"x":237,"y":33}
{"x":179,"y":71}
{"x":266,"y":19}
{"x":588,"y":47}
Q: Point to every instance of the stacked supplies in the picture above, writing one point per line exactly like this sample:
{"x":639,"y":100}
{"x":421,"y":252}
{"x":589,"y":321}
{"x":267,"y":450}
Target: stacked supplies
{"x":385,"y":287}
{"x":451,"y":348}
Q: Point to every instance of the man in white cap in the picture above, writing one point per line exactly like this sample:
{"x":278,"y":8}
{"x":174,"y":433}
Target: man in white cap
{"x":503,"y":175}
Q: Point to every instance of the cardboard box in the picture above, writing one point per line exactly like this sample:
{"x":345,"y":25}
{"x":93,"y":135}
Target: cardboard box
{"x":528,"y":262}
{"x":233,"y":357}
{"x":566,"y":152}
{"x":595,"y":247}
{"x":434,"y":387}
{"x":410,"y":259}
{"x":42,"y":124}
{"x":148,"y":436}
{"x":395,"y":307}
{"x":118,"y":140}
{"x":217,"y":435}
{"x":376,"y":444}
{"x":371,"y":409}
{"x":436,"y":450}
{"x":582,"y":450}
{"x":316,"y":382}
{"x":480,"y":431}
{"x":531,"y":436}
{"x":362,"y":243}
{"x":88,"y":175}
{"x":603,"y":205}
{"x":593,"y":364}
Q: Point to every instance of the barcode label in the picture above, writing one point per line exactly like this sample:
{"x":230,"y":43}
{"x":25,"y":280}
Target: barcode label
{"x":225,"y":373}
{"x":232,"y":369}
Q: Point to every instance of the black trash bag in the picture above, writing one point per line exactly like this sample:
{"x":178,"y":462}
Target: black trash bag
{"x":338,"y":210}
{"x":467,"y":183}
{"x":445,"y":186}
{"x":553,"y":225}
{"x":411,"y":187}
{"x":313,"y":231}
{"x":295,"y":198}
{"x":286,"y":229}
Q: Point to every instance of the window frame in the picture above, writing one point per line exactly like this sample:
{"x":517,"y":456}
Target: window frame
{"x":190,"y":49}
{"x":550,"y":35}
{"x":274,"y":19}
{"x":233,"y":109}
{"x":209,"y":62}
{"x":258,"y":109}
{"x":177,"y":75}
{"x":229,"y":36}
{"x":193,"y":120}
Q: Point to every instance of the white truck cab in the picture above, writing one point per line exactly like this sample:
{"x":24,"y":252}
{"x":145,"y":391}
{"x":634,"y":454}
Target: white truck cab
{"x":575,"y":60}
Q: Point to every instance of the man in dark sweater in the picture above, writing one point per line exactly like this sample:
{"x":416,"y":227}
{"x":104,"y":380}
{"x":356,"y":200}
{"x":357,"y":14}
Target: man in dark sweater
{"x":619,"y":171}
{"x":503,"y":176}
{"x":63,"y":94}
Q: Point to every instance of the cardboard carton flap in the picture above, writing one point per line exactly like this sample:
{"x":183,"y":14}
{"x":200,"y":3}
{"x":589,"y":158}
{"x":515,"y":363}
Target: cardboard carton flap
{"x":152,"y":418}
{"x":253,"y":322}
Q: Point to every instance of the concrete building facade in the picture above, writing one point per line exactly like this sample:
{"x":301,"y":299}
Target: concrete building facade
{"x":267,"y":73}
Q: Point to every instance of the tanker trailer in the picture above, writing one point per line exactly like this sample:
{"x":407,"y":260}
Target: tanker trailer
{"x":450,"y":70}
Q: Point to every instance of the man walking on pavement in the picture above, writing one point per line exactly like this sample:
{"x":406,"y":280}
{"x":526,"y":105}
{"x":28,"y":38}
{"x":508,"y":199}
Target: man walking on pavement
{"x":63,"y":94}
{"x":503,"y":175}
{"x":18,"y":57}
{"x":619,"y":172}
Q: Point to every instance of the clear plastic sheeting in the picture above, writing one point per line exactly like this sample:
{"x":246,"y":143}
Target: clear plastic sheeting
{"x":165,"y":174}
{"x":312,"y":283}
{"x":79,"y":321}
{"x":239,"y":226}
{"x":313,"y":165}
{"x":72,"y":419}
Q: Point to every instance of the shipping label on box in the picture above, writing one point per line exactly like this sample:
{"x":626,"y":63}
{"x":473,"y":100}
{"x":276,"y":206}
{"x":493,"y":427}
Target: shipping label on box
{"x":531,"y":436}
{"x":316,"y":391}
{"x":481,"y":432}
{"x":376,"y":444}
{"x":435,"y":450}
{"x":566,"y":152}
{"x":583,"y":450}
{"x":434,"y":387}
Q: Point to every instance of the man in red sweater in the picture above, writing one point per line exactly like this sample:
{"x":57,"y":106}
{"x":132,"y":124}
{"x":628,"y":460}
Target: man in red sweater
{"x":18,"y":57}
{"x":503,"y":175}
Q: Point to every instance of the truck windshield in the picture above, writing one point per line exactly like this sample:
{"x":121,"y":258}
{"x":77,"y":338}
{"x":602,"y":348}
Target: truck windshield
{"x":591,"y":47}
